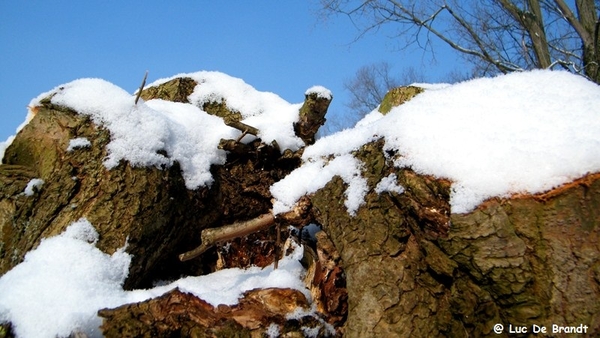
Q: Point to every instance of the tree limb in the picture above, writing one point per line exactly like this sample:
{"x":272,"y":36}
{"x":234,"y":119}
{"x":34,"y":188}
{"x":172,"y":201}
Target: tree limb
{"x":299,"y":216}
{"x":212,"y":236}
{"x":244,"y":128}
{"x":570,"y":17}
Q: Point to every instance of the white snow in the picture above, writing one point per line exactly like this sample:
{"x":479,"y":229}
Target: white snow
{"x":314,"y":175}
{"x":61,"y":285}
{"x":523,"y":132}
{"x":321,"y":92}
{"x":32,"y":186}
{"x":10,"y":139}
{"x":273,"y":331}
{"x":80,"y":142}
{"x":272,"y":115}
{"x":389,"y":183}
{"x":4,"y":145}
{"x":141,"y":134}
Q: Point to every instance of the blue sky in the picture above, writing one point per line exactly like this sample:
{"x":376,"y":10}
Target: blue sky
{"x":277,"y":46}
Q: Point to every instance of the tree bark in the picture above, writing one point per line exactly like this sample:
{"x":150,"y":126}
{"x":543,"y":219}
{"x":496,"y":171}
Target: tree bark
{"x":415,"y":270}
{"x":586,"y":10}
{"x":178,"y":314}
{"x":533,"y":23}
{"x":312,"y":117}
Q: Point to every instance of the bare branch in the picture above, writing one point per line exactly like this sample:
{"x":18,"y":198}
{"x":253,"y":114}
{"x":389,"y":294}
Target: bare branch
{"x":570,"y":17}
{"x":299,"y":216}
{"x":212,"y":236}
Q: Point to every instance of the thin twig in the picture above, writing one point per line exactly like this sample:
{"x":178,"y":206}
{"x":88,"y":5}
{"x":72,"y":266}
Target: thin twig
{"x":139,"y":93}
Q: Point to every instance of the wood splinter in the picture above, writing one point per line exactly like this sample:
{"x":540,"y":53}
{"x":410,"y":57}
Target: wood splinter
{"x":139,"y":93}
{"x":299,"y":216}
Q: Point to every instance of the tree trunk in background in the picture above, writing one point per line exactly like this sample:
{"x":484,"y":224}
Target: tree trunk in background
{"x":414,"y":270}
{"x":587,"y":13}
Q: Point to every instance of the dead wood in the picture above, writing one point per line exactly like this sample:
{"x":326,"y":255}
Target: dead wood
{"x":299,"y":216}
{"x":212,"y":236}
{"x":244,"y":128}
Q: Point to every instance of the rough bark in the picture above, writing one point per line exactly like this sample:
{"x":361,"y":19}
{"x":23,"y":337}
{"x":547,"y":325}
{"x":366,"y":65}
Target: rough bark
{"x":398,"y":96}
{"x":178,"y":314}
{"x":312,"y":117}
{"x":413,"y":269}
{"x":147,"y":208}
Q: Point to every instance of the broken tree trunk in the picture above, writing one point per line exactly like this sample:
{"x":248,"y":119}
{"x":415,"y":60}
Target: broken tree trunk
{"x":312,"y":116}
{"x":415,"y":270}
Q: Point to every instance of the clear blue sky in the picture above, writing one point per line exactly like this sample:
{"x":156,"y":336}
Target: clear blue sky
{"x":277,"y":46}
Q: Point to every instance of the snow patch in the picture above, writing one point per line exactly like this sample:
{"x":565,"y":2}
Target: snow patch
{"x":321,"y":92}
{"x":60,"y":286}
{"x":4,"y":145}
{"x":312,"y":176}
{"x":32,"y":186}
{"x":389,"y":183}
{"x":523,"y":132}
{"x":80,"y":142}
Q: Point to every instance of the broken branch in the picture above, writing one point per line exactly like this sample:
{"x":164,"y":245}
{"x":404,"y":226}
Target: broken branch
{"x":213,"y":236}
{"x":139,"y":93}
{"x":244,"y":128}
{"x":299,"y":216}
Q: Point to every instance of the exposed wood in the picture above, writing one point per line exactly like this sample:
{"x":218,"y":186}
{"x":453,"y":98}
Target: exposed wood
{"x":180,"y":314}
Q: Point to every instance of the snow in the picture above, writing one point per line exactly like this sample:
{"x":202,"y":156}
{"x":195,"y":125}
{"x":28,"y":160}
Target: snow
{"x":389,"y":183}
{"x":10,"y":139}
{"x":141,"y":134}
{"x":321,"y":92}
{"x":32,"y":186}
{"x":523,"y":132}
{"x":4,"y":145}
{"x":60,"y":286}
{"x":273,"y":331}
{"x":272,"y":115}
{"x":80,"y":142}
{"x":314,"y":175}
